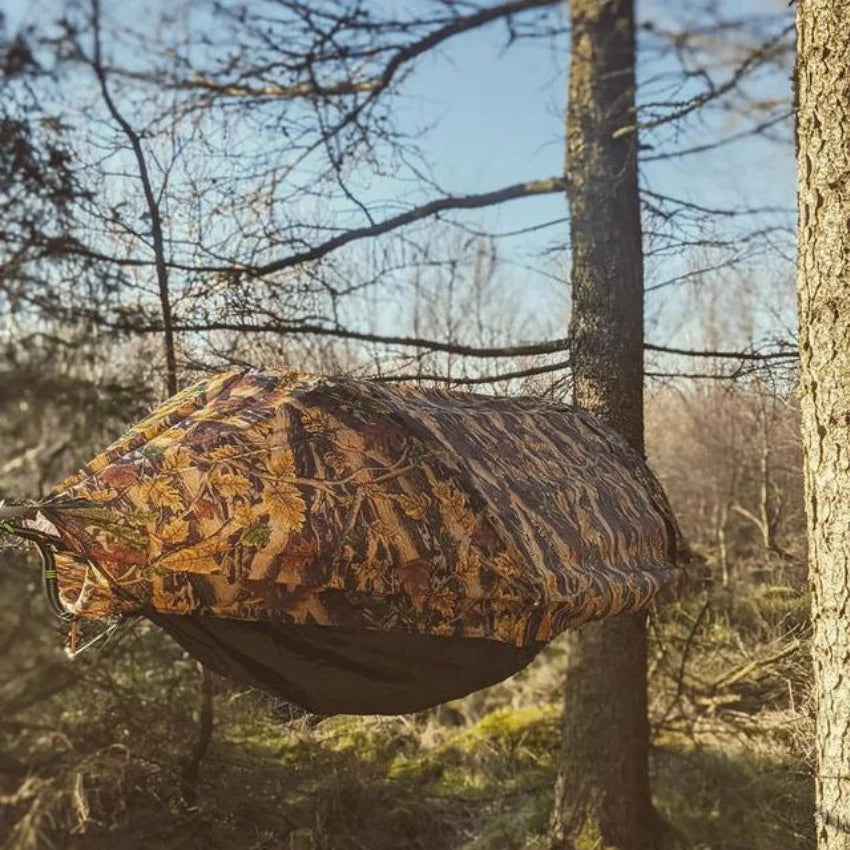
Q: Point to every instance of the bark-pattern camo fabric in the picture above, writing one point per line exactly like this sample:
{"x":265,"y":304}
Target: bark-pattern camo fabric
{"x":275,"y":495}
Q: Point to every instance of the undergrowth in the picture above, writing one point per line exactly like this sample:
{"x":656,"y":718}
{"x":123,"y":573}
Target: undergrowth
{"x":96,"y":764}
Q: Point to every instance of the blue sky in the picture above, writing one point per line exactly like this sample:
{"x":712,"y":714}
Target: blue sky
{"x":495,"y":117}
{"x":501,"y":120}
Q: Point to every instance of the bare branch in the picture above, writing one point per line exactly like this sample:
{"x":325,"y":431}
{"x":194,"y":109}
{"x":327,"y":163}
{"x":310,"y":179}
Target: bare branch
{"x":728,"y":212}
{"x":725,"y":355}
{"x":547,"y":347}
{"x":481,"y":379}
{"x":531,"y":188}
{"x":153,"y":206}
{"x":712,"y":92}
{"x":486,"y":199}
{"x":314,"y":90}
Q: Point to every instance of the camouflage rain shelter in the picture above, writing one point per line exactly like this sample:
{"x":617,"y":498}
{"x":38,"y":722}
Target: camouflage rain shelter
{"x":355,"y":546}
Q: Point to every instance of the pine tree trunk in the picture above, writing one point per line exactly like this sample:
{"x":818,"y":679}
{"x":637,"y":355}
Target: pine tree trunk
{"x":602,"y":798}
{"x":823,"y":286}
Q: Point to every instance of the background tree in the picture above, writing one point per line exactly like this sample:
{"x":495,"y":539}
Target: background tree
{"x":307,"y":220}
{"x":823,"y":272}
{"x":603,"y":793}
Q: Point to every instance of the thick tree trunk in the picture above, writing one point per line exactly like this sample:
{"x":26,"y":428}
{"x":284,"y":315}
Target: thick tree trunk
{"x":823,"y":287}
{"x":602,"y":798}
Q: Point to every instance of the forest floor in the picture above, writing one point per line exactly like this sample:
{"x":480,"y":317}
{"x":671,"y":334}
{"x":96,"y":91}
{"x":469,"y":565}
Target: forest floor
{"x":730,"y":713}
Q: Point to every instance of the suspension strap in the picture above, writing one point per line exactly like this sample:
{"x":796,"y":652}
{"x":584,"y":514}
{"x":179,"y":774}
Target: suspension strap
{"x":49,"y":578}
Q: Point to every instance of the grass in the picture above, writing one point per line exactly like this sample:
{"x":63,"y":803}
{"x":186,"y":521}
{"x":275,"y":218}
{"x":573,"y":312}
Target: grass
{"x":734,"y":797}
{"x":729,"y":760}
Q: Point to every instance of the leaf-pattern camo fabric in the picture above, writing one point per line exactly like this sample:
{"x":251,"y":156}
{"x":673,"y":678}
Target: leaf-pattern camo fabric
{"x":282,"y":496}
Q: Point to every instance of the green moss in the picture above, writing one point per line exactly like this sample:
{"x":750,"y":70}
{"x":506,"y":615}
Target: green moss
{"x":532,"y":727}
{"x":590,"y":837}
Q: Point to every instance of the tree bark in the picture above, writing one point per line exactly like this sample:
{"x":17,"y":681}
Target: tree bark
{"x":602,"y":798}
{"x":823,"y":289}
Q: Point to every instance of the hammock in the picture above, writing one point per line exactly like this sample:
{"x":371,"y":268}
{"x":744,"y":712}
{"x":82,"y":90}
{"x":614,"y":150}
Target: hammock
{"x":355,"y":547}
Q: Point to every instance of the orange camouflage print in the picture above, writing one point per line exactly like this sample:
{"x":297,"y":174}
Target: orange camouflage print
{"x":276,"y":495}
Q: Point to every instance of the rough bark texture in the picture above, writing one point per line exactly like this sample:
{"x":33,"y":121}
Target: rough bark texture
{"x":602,"y":798}
{"x":823,"y":285}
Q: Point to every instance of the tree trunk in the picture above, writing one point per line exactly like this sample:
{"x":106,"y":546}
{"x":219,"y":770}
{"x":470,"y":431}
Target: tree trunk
{"x":823,"y":287}
{"x":602,"y":797}
{"x":723,"y":543}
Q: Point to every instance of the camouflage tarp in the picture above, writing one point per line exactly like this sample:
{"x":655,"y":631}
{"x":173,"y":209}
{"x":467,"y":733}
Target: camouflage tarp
{"x":280,"y":497}
{"x":283,"y":496}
